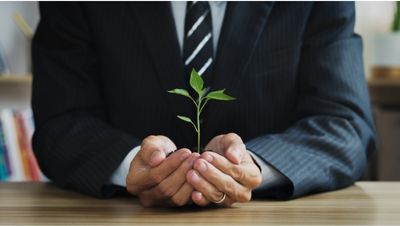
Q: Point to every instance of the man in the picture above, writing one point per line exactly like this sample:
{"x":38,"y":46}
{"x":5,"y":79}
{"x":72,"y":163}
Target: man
{"x":301,"y":122}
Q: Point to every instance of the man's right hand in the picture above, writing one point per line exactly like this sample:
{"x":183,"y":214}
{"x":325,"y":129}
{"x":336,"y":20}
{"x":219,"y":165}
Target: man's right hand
{"x":157,"y":180}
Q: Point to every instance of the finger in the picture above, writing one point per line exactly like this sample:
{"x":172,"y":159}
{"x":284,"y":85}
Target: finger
{"x":154,"y":149}
{"x":145,"y":177}
{"x":210,"y":192}
{"x":168,"y":166}
{"x":183,"y":196}
{"x":223,"y":182}
{"x":233,"y":146}
{"x":168,"y":186}
{"x":199,"y":199}
{"x":246,"y":173}
{"x":171,"y":184}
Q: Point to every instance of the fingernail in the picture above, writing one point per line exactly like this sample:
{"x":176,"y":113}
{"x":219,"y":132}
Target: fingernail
{"x":208,"y":157}
{"x":195,"y":177}
{"x":184,"y":156}
{"x":155,"y":157}
{"x":201,"y":167}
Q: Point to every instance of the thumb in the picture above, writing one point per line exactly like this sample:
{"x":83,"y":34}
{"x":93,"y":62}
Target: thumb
{"x":152,"y":151}
{"x":235,"y":154}
{"x":156,"y":157}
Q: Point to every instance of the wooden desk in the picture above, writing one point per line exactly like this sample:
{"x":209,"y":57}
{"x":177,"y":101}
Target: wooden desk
{"x":366,"y":203}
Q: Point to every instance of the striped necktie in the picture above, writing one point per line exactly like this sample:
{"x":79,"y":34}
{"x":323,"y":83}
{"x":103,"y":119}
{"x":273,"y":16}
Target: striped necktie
{"x":198,"y":45}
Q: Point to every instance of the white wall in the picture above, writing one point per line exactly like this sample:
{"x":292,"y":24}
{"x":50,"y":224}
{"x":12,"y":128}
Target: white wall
{"x":13,"y":43}
{"x":15,"y":48}
{"x":373,"y":18}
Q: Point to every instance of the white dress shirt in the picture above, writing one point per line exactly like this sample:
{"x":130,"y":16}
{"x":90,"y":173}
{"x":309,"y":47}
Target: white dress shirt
{"x":269,"y":175}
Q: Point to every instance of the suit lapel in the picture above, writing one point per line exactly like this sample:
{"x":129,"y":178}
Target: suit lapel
{"x":158,"y":28}
{"x":242,"y":27}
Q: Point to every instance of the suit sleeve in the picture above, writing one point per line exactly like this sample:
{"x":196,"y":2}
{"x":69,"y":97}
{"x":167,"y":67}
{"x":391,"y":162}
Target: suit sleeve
{"x":75,"y":144}
{"x":328,"y":145}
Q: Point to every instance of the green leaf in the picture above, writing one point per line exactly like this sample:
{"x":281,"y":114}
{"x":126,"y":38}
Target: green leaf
{"x":219,"y":95}
{"x":182,"y":92}
{"x":188,"y":120}
{"x":184,"y":118}
{"x":196,"y":82}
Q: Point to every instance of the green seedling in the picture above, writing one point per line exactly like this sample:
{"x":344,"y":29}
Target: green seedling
{"x":203,"y":96}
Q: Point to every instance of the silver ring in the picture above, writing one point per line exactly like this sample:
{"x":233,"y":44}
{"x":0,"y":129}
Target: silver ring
{"x":222,"y":199}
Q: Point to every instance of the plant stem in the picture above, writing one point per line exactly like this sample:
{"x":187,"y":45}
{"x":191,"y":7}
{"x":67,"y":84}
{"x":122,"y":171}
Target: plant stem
{"x":198,"y":125}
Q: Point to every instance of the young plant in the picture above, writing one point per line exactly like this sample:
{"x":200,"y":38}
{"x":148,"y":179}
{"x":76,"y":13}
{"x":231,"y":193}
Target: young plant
{"x":203,"y":96}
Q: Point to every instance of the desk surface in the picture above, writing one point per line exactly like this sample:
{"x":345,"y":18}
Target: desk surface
{"x":366,"y":203}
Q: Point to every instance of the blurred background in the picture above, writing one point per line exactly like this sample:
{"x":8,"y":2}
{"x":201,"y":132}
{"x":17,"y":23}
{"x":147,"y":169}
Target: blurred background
{"x":376,"y":22}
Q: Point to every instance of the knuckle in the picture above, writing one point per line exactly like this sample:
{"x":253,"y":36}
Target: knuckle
{"x":229,"y":187}
{"x":149,"y":139}
{"x":232,"y":136}
{"x":237,"y":173}
{"x":226,"y":138}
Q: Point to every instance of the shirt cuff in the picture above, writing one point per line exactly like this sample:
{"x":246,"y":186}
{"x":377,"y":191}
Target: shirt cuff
{"x":271,"y":178}
{"x":119,"y":175}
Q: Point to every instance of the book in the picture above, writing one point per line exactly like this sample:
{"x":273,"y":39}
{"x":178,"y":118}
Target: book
{"x":11,"y":142}
{"x":17,"y":159}
{"x":22,"y":147}
{"x":27,"y":117}
{"x":3,"y":161}
{"x":4,"y":149}
{"x":24,"y":137}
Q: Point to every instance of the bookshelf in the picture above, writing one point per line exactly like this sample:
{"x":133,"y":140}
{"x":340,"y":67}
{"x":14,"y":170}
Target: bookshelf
{"x":17,"y":161}
{"x":24,"y":79}
{"x":15,"y":91}
{"x":385,"y":92}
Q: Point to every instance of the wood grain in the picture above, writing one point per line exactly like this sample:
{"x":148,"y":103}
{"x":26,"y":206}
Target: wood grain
{"x":366,"y":203}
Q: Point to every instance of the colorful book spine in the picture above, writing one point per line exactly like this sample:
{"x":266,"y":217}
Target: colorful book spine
{"x":17,"y":159}
{"x":3,"y":158}
{"x":4,"y":148}
{"x":30,"y":127}
{"x":21,"y":140}
{"x":10,"y":139}
{"x":25,"y":145}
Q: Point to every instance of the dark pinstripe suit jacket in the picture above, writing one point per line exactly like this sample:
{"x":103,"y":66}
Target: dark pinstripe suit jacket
{"x":101,"y":72}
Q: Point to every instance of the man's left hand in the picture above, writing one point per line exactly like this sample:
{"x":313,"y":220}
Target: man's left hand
{"x":227,"y":169}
